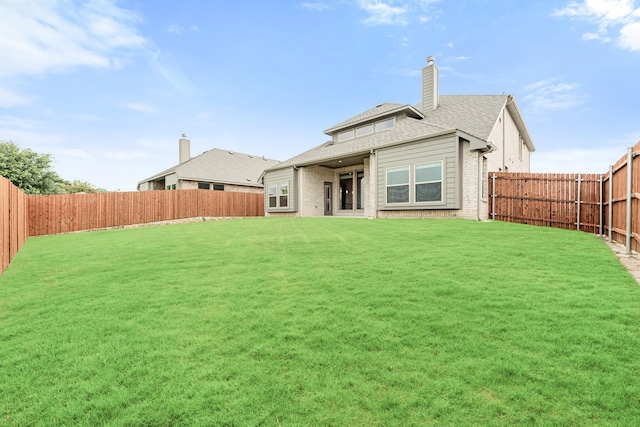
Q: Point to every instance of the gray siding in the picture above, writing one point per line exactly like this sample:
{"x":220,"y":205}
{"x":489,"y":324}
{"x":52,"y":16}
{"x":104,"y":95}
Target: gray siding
{"x":444,"y":149}
{"x":280,"y":176}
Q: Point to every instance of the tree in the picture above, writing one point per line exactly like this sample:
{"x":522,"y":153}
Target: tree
{"x":80,"y":187}
{"x":28,"y":170}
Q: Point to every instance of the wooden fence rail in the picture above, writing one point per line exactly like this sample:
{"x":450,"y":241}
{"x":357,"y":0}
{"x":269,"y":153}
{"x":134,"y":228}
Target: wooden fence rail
{"x":604,"y":204}
{"x":13,"y":221}
{"x":63,"y":213}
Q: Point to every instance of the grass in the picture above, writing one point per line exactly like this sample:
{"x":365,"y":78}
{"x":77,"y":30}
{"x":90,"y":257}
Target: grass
{"x":288,"y":322}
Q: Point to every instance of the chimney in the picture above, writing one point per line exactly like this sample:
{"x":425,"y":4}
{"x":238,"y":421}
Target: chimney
{"x":430,"y":86}
{"x":185,"y":149}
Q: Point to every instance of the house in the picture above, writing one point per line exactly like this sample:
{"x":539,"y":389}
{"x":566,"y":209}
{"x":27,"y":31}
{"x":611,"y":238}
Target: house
{"x":215,"y":169}
{"x":401,"y":160}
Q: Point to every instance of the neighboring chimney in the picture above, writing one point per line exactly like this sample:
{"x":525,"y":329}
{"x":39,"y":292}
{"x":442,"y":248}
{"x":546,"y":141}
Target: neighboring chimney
{"x":430,"y":86}
{"x":185,"y":149}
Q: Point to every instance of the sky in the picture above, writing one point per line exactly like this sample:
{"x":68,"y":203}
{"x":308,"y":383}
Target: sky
{"x":108,"y":87}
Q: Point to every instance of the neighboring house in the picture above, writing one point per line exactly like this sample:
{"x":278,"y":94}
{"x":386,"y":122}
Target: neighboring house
{"x":402,"y":160}
{"x":212,"y":170}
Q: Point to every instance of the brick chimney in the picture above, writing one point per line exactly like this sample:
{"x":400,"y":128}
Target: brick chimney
{"x":185,"y":149}
{"x":430,"y":97}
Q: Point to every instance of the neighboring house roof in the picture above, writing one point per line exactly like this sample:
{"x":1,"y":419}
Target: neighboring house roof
{"x":222,"y":166}
{"x":474,"y":115}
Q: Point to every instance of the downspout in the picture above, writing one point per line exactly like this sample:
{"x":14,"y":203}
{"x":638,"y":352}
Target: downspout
{"x":298,"y":190}
{"x":504,"y":137}
{"x":480,"y":187}
{"x":374,"y":191}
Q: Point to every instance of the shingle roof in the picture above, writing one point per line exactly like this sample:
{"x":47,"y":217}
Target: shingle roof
{"x":222,"y":166}
{"x":473,"y":114}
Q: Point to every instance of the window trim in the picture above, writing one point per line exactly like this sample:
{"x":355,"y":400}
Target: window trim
{"x":389,"y":119}
{"x":407,"y":184}
{"x":273,"y":195}
{"x":352,"y":133}
{"x":346,"y":135}
{"x":416,"y":182}
{"x":282,"y":186}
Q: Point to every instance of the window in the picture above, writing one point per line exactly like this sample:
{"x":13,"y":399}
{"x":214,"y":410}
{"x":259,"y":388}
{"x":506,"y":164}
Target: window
{"x":171,"y":187}
{"x":367,"y":129}
{"x":385,"y":124}
{"x":398,"y":185}
{"x":343,"y":136}
{"x":364,"y":130}
{"x":360,"y":192}
{"x":272,"y":196}
{"x":284,"y":195}
{"x":218,"y":187}
{"x":428,"y":179}
{"x":346,"y":190}
{"x":203,"y":186}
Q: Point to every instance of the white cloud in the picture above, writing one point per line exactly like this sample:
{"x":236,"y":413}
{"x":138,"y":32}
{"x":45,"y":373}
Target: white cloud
{"x":76,"y":152}
{"x":171,"y":72}
{"x":547,"y":95}
{"x":141,"y":107}
{"x":10,"y":98}
{"x":316,"y":6}
{"x":176,"y":29}
{"x":397,"y":12}
{"x":52,"y":36}
{"x":630,"y":36}
{"x":381,"y":13}
{"x":619,"y":15}
{"x":123,"y":155}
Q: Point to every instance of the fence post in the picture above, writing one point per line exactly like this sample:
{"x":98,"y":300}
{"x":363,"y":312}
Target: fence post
{"x":578,"y":202}
{"x":629,"y":180}
{"x":601,"y":207}
{"x":493,"y":197}
{"x":610,"y":219}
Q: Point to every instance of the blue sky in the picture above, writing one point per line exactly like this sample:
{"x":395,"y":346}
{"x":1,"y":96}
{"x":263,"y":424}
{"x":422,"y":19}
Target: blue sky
{"x":108,"y":87}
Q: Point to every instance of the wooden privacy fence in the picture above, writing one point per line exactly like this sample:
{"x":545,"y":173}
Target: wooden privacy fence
{"x":597,"y":203}
{"x":13,"y":221}
{"x":63,"y":213}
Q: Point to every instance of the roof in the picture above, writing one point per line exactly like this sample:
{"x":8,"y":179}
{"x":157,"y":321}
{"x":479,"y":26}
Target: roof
{"x":474,"y":115}
{"x":223,"y":166}
{"x":406,"y":129}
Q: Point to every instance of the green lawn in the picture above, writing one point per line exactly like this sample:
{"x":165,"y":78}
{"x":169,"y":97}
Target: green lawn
{"x":343,"y":322}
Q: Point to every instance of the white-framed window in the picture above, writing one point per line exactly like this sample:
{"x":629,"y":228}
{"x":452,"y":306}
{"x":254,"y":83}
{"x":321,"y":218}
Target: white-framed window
{"x":367,"y":129}
{"x":364,"y":130}
{"x":428,"y":182}
{"x":273,"y":198}
{"x":385,"y":124}
{"x":347,"y":134}
{"x":283,"y":195}
{"x":398,"y":184}
{"x":203,"y":186}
